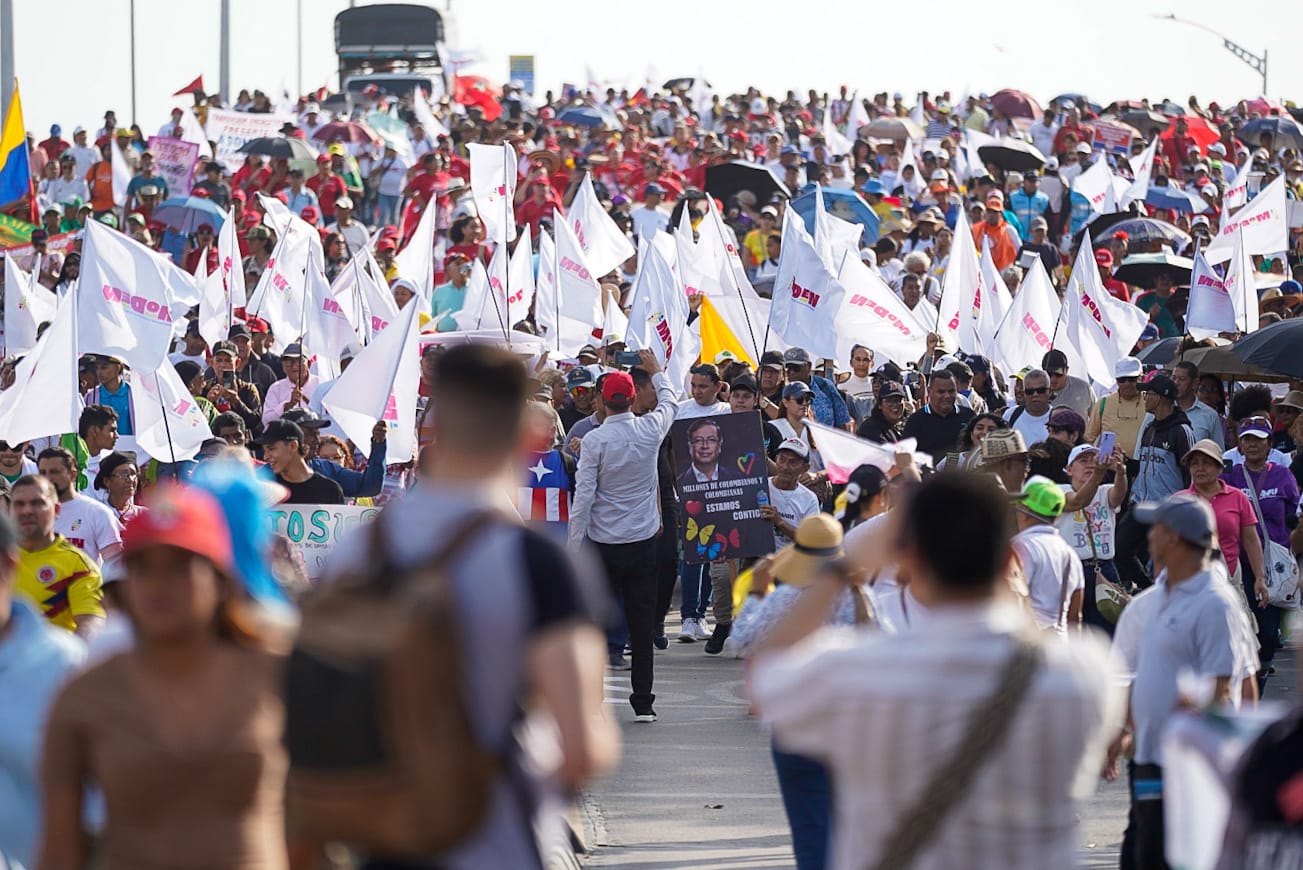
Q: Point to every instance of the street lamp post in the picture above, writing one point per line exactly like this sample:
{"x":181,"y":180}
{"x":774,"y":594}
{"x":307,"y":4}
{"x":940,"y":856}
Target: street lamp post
{"x":1257,"y":63}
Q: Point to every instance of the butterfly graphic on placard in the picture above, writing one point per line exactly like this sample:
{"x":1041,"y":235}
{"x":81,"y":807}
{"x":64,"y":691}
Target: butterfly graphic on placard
{"x":719,"y":544}
{"x":699,"y":534}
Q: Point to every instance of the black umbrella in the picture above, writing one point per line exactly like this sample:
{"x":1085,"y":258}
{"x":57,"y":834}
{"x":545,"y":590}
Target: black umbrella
{"x":1277,"y":347}
{"x":280,"y":146}
{"x":728,"y":179}
{"x":1140,"y":230}
{"x":1142,"y":270}
{"x":1099,"y":225}
{"x":1224,"y":362}
{"x":1011,"y":155}
{"x":1147,"y":121}
{"x":1161,"y":352}
{"x":1283,"y":131}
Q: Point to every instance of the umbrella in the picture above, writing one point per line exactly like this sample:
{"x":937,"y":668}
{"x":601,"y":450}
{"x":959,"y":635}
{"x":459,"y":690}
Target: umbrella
{"x":1277,"y":347}
{"x":892,"y":128}
{"x":1203,"y":133}
{"x":1174,"y":198}
{"x":1011,"y":155}
{"x":682,"y":83}
{"x":1151,"y":230}
{"x":280,"y":146}
{"x":1147,"y":121}
{"x":1142,"y":270}
{"x":1081,"y":101}
{"x":1167,"y":107}
{"x":346,"y":131}
{"x":1283,"y":131}
{"x":1264,"y":106}
{"x":582,"y":116}
{"x":845,"y":204}
{"x":724,"y":180}
{"x":185,"y":213}
{"x":1161,"y":352}
{"x":1099,"y":225}
{"x":1016,"y":104}
{"x":1128,"y":105}
{"x":1225,"y":362}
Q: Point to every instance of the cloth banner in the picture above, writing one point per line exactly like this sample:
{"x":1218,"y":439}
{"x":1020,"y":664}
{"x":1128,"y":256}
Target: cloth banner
{"x":230,"y":130}
{"x":175,"y":160}
{"x":315,"y":529}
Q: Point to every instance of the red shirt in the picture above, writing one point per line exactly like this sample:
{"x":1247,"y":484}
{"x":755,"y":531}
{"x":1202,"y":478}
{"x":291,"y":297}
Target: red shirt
{"x":531,"y":212}
{"x":1117,"y":289}
{"x":192,"y":260}
{"x":424,"y":185}
{"x":460,"y":167}
{"x":1175,"y":150}
{"x":249,"y":181}
{"x":328,"y":190}
{"x":53,"y":147}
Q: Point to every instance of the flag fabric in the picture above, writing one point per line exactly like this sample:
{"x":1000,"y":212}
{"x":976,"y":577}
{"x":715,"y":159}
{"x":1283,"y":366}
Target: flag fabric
{"x":842,"y":453}
{"x":959,"y":319}
{"x":658,"y":316}
{"x":332,"y":324}
{"x":378,"y":304}
{"x":1237,"y":194}
{"x":1263,"y":223}
{"x":474,"y":91}
{"x":381,"y":384}
{"x":493,"y":185}
{"x":615,"y":325}
{"x":1240,"y":286}
{"x":995,"y":300}
{"x":1142,"y":168}
{"x":1029,"y":326}
{"x":545,"y":495}
{"x":837,"y":143}
{"x":874,"y":316}
{"x":281,"y":297}
{"x":27,"y":305}
{"x":15,"y":165}
{"x":195,"y":87}
{"x":603,"y":244}
{"x":1096,"y":185}
{"x":275,"y":213}
{"x":432,"y":126}
{"x":415,"y":261}
{"x":170,"y":425}
{"x":193,"y":131}
{"x":28,"y":409}
{"x":806,"y":295}
{"x":520,"y":278}
{"x":1209,"y":311}
{"x":1097,"y":330}
{"x":569,"y":302}
{"x":482,"y":305}
{"x":834,"y":238}
{"x":223,"y":290}
{"x":128,"y":298}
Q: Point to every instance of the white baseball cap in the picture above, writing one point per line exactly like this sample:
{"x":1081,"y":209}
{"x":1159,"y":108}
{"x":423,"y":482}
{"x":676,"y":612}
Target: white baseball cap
{"x":797,"y":446}
{"x":1128,"y":367}
{"x":1079,"y":451}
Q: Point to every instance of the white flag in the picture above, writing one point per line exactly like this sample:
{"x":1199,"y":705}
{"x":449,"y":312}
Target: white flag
{"x":1098,"y":330}
{"x":995,"y":299}
{"x":605,"y":246}
{"x":1241,"y":287}
{"x":415,"y":261}
{"x":658,"y":317}
{"x":121,"y":177}
{"x":842,"y":452}
{"x":127,"y":298}
{"x":1237,"y":194}
{"x":170,"y":425}
{"x":1028,"y":329}
{"x":381,"y":384}
{"x":834,"y":238}
{"x":806,"y":295}
{"x":520,"y":278}
{"x":192,"y":131}
{"x":275,"y":213}
{"x":223,"y":290}
{"x":482,"y":307}
{"x":837,"y":143}
{"x":568,"y":300}
{"x":44,"y":399}
{"x":1263,"y":222}
{"x":1096,"y":185}
{"x":959,"y":319}
{"x":281,"y":297}
{"x":332,"y":322}
{"x":857,"y":118}
{"x":493,"y":184}
{"x":378,"y":302}
{"x":874,"y":316}
{"x":1142,"y":168}
{"x":1209,"y":311}
{"x":432,"y":126}
{"x":27,"y":305}
{"x":229,"y":261}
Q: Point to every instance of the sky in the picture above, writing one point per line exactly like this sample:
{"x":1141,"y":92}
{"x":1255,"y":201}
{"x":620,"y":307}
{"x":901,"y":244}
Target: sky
{"x":73,"y":60}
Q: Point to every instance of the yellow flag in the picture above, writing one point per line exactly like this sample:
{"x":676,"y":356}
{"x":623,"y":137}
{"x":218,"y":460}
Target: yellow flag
{"x":717,"y":333}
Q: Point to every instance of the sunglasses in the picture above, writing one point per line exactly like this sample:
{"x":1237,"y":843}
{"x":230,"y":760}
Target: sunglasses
{"x":803,"y":400}
{"x":1127,"y":380}
{"x":8,"y":448}
{"x":1035,"y":391}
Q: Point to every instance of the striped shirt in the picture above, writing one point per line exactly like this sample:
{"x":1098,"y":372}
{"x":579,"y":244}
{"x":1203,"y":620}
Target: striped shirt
{"x":884,"y":710}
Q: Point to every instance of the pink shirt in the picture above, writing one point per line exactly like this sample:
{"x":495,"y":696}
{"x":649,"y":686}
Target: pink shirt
{"x":1233,"y":511}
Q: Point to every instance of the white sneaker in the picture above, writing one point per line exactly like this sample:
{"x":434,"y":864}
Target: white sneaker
{"x":688,"y":632}
{"x":645,"y":718}
{"x":699,"y":627}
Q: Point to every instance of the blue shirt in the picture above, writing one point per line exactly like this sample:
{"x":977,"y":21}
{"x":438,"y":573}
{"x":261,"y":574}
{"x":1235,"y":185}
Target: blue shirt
{"x":119,"y":401}
{"x":447,"y":301}
{"x":35,"y":659}
{"x":1080,"y":210}
{"x":355,"y":484}
{"x":829,"y":406}
{"x":1026,"y":208}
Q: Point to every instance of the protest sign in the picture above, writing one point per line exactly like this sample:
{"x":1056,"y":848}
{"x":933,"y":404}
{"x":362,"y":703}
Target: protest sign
{"x":1114,"y":138}
{"x":175,"y":160}
{"x":719,"y":474}
{"x":230,"y":130}
{"x":315,"y":529}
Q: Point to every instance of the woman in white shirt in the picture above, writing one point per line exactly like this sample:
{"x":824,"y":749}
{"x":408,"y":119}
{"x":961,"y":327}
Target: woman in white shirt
{"x":796,"y":402}
{"x":1090,"y":530}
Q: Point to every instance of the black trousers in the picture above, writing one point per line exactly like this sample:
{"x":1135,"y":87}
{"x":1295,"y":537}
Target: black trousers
{"x":1143,"y":844}
{"x":631,"y":571}
{"x":1131,"y":551}
{"x":667,"y":562}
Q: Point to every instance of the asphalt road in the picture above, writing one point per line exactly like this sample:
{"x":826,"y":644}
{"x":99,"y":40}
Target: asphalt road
{"x":697,"y":788}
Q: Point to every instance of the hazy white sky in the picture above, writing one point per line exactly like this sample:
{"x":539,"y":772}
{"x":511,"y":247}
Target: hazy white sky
{"x":73,"y":59}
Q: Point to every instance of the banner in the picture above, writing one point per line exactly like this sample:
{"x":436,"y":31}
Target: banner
{"x":719,"y":474}
{"x":315,"y":529}
{"x":1262,"y":222}
{"x":874,"y":316}
{"x":175,"y":160}
{"x":230,"y":130}
{"x":1209,"y":311}
{"x":1114,"y":138}
{"x":521,"y":69}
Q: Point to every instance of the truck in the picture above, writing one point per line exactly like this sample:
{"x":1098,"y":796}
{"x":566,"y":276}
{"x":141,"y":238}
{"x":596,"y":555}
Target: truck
{"x":394,"y":46}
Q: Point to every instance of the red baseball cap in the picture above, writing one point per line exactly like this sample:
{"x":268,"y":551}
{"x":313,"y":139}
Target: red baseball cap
{"x":257,"y":324}
{"x":1104,"y":257}
{"x":617,"y":387}
{"x":309,"y":214}
{"x":386,"y":245}
{"x":183,"y":517}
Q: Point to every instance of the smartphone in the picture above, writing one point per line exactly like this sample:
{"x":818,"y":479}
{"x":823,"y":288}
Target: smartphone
{"x":627,"y":358}
{"x":228,"y":380}
{"x":1107,"y":441}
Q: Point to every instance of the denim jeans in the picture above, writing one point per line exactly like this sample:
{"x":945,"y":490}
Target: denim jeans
{"x":388,"y":210}
{"x":694,"y":588}
{"x":807,"y":799}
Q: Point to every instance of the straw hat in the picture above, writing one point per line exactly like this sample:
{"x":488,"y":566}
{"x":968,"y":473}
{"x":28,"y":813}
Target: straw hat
{"x":818,"y":539}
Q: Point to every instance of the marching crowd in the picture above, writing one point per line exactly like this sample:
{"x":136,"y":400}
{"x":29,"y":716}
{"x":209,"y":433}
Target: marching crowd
{"x":919,"y":622}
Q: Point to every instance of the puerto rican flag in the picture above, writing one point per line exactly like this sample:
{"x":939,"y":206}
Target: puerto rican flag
{"x":545,"y":495}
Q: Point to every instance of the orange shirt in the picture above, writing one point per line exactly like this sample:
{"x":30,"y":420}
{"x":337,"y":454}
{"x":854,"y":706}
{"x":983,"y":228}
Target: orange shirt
{"x":99,"y":178}
{"x":1003,"y":253}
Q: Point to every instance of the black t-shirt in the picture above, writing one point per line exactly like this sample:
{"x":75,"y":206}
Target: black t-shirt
{"x":937,"y":435}
{"x":570,"y":415}
{"x":315,"y":490}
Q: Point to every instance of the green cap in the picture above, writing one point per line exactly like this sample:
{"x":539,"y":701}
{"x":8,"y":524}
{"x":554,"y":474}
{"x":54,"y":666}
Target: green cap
{"x":1040,"y":497}
{"x":109,"y":219}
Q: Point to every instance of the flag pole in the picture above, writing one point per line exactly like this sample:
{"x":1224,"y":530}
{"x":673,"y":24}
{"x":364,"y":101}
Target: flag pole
{"x":167,"y":430}
{"x":508,"y":221}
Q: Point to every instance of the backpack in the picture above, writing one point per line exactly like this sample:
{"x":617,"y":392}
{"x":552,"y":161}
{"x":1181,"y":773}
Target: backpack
{"x":382,"y":752}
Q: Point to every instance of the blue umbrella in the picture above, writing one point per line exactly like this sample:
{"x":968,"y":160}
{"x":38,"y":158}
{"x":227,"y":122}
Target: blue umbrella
{"x":845,"y":204}
{"x":583,"y":116}
{"x":184,"y":213}
{"x":1174,"y":198}
{"x":1283,"y":131}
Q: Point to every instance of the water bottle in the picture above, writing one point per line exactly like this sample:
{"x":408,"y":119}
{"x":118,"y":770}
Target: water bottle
{"x":762,"y":496}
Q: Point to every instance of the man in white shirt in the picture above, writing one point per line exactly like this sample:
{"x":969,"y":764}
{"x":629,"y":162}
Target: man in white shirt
{"x":649,"y":218}
{"x":83,"y":154}
{"x":1031,"y":418}
{"x":616,"y":508}
{"x":885,"y":738}
{"x":1052,"y":570}
{"x":292,"y":391}
{"x":1043,"y":134}
{"x":89,"y":525}
{"x":391,"y":173}
{"x":355,"y":235}
{"x":789,"y":501}
{"x":705,"y":401}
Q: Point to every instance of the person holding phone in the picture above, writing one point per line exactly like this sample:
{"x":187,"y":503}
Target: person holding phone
{"x":228,"y":393}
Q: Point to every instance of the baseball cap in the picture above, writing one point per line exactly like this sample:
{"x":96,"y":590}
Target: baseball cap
{"x":977,"y":363}
{"x":724,"y":356}
{"x":1290,"y":287}
{"x":305,"y":418}
{"x":1083,"y":148}
{"x":344,"y":202}
{"x":1104,"y":257}
{"x":1207,"y":447}
{"x":1067,"y":418}
{"x":1149,"y":333}
{"x":1255,"y":428}
{"x":771,"y":359}
{"x":226,"y":347}
{"x":1040,"y":497}
{"x":797,"y":390}
{"x":796,"y":356}
{"x":746,"y":383}
{"x":617,"y":387}
{"x":1186,"y":514}
{"x":1128,"y":367}
{"x":890,"y":389}
{"x":280,"y":430}
{"x":183,"y":517}
{"x":1002,"y":444}
{"x":1054,"y":361}
{"x":579,"y":377}
{"x":1162,"y":386}
{"x":294,"y":350}
{"x":1079,"y":451}
{"x":873,"y":186}
{"x":587,"y":350}
{"x":797,"y":446}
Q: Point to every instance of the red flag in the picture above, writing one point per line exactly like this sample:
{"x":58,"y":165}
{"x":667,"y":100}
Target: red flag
{"x":195,"y":87}
{"x":476,"y":91}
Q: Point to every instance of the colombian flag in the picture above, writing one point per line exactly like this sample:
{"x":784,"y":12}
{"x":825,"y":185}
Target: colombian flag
{"x":15,"y":168}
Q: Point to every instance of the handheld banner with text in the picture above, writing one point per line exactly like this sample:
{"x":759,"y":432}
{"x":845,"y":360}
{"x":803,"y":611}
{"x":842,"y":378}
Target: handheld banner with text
{"x":175,"y":160}
{"x":315,"y":529}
